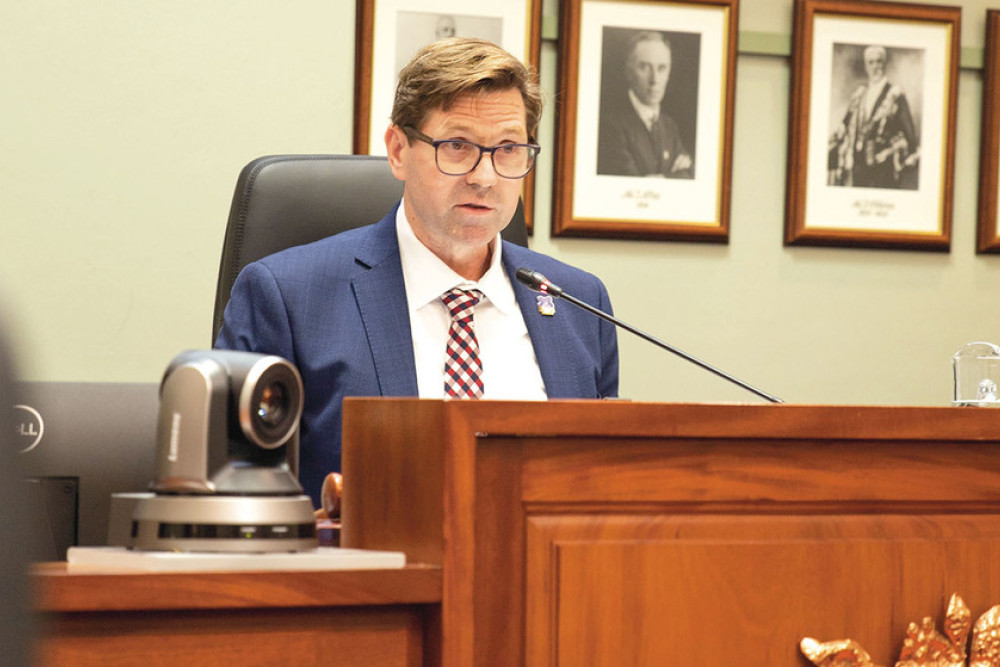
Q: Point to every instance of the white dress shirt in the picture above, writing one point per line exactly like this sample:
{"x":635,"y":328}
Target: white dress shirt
{"x":510,"y":368}
{"x":648,"y":113}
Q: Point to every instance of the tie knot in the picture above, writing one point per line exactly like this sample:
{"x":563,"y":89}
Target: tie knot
{"x":460,"y":302}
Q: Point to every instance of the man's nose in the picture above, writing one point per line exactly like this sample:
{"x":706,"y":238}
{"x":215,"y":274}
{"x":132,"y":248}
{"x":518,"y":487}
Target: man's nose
{"x":484,"y":174}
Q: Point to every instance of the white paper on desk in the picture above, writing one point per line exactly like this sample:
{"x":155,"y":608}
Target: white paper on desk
{"x":325,"y":558}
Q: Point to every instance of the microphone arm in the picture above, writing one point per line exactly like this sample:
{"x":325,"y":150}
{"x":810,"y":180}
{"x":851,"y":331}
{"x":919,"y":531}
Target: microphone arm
{"x":539,"y":283}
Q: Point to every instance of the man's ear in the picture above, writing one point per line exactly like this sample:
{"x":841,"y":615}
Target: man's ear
{"x":396,"y":142}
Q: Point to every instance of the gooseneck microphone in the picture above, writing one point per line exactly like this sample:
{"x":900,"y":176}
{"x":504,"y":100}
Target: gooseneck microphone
{"x":539,"y":283}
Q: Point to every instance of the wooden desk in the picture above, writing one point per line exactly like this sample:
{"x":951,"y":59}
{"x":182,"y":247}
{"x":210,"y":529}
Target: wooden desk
{"x":618,"y":533}
{"x":364,"y":617}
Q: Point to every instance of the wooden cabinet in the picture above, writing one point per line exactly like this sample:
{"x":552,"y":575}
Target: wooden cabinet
{"x":358,"y":618}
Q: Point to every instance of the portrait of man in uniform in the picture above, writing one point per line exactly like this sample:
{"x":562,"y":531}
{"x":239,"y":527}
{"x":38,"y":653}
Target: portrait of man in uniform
{"x":875,"y":142}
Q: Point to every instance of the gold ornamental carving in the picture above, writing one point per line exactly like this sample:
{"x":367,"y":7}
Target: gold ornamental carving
{"x":924,"y":645}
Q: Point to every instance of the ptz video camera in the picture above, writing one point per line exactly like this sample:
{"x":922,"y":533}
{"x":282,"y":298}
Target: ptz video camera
{"x":227,"y":458}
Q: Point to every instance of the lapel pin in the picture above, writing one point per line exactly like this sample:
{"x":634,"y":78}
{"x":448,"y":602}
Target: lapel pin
{"x":546,"y":305}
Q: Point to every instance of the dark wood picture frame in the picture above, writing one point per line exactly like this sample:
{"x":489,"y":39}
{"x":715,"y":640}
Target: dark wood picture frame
{"x":602,"y":180}
{"x":375,"y":75}
{"x":988,"y":237}
{"x":862,"y":179}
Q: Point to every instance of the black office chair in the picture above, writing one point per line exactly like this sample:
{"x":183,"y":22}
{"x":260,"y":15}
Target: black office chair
{"x":287,"y":200}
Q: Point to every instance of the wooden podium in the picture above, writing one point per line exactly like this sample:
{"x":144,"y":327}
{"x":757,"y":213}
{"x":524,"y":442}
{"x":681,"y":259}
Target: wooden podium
{"x":617,"y":533}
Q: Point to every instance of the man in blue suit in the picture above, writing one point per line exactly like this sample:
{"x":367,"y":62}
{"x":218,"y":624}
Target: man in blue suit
{"x":363,"y":313}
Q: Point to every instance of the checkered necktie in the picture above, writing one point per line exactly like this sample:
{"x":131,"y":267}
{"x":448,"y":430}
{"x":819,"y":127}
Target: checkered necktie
{"x":463,"y":370}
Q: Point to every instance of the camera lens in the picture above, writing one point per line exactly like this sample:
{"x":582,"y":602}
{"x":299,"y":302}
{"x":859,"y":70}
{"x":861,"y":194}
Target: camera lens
{"x":273,"y":404}
{"x":270,"y":402}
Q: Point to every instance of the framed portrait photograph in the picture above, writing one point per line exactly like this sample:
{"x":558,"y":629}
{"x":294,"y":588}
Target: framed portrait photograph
{"x":988,"y":238}
{"x":872,"y":126}
{"x":389,"y":32}
{"x":645,"y":119}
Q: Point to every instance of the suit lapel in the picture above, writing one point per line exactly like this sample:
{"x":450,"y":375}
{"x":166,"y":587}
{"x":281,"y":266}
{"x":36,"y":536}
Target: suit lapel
{"x":642,"y":143}
{"x":381,"y":297}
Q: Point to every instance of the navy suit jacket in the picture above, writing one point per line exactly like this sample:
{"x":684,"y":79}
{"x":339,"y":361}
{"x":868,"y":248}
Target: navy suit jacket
{"x":337,"y":309}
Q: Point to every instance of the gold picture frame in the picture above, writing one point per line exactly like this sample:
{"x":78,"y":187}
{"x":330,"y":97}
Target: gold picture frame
{"x":988,"y":237}
{"x":609,"y":181}
{"x":869,"y":81}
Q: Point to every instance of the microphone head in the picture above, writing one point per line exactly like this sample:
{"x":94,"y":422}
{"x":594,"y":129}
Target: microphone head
{"x":536,"y":281}
{"x":529,"y":278}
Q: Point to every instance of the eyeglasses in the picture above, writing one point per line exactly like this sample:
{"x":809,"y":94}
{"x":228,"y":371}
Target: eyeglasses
{"x":457,"y":157}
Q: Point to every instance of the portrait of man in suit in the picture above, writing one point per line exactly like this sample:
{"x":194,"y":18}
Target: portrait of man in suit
{"x":876,"y":143}
{"x":416,"y":29}
{"x":638,"y":134}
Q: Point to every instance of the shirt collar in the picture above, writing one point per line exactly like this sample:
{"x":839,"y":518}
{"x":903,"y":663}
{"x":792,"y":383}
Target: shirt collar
{"x":648,"y":113}
{"x":427,"y":277}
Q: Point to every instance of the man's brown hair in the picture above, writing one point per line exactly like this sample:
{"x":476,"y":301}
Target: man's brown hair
{"x":443,"y":71}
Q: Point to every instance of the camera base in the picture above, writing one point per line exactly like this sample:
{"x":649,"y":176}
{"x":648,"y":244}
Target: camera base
{"x":234,"y":524}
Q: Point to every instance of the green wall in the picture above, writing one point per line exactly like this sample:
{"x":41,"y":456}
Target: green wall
{"x":126,"y":123}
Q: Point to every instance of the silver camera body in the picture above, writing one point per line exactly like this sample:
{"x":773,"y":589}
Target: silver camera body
{"x":229,"y":424}
{"x":227,"y":458}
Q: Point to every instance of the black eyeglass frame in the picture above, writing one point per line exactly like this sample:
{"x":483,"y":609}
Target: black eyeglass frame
{"x":417,"y":134}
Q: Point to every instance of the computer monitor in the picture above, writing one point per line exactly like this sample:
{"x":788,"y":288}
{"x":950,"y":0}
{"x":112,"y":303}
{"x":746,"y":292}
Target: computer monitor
{"x":79,"y":443}
{"x":18,"y":623}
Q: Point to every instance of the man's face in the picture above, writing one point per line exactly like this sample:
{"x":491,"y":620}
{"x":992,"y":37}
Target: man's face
{"x":458,"y":216}
{"x":875,"y":64}
{"x":648,"y":70}
{"x":445,"y":27}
